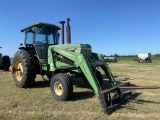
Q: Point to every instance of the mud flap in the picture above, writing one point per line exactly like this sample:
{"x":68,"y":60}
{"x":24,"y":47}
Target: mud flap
{"x":113,"y":98}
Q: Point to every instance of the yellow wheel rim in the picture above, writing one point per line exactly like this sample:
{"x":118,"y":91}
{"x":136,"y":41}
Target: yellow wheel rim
{"x":58,"y":88}
{"x":19,"y":70}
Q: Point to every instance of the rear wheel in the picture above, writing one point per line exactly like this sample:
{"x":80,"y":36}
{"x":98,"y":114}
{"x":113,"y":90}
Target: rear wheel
{"x":61,"y":87}
{"x":24,"y":69}
{"x":6,"y":62}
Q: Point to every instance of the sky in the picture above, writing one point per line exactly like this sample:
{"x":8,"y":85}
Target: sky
{"x":123,"y":27}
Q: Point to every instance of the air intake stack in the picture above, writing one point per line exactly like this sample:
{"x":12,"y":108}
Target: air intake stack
{"x":68,"y":32}
{"x":62,"y":30}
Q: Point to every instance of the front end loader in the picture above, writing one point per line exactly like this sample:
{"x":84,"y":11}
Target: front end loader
{"x":42,"y":54}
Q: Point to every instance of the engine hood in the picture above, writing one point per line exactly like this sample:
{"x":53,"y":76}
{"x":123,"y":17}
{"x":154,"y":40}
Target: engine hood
{"x":73,"y":47}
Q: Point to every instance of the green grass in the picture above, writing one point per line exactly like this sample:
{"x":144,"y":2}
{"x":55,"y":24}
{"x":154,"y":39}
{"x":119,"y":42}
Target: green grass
{"x":37,"y":103}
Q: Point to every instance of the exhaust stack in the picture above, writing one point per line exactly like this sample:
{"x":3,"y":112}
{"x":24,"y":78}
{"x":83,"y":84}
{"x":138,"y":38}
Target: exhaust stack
{"x":62,"y":30}
{"x":68,"y":32}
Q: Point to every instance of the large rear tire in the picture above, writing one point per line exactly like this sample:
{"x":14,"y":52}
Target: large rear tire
{"x":6,"y":62}
{"x":24,"y":69}
{"x":61,"y":87}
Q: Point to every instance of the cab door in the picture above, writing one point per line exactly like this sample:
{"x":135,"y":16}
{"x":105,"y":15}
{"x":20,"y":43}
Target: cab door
{"x":44,"y":37}
{"x":41,"y":47}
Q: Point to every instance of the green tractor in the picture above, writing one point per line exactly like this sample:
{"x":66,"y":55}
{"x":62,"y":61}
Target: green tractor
{"x":4,"y":62}
{"x":42,"y":54}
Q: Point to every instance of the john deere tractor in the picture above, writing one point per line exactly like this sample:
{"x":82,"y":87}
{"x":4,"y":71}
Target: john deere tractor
{"x":4,"y":62}
{"x":42,"y":54}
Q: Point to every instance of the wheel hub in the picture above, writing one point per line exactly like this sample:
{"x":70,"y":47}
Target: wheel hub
{"x":58,"y":88}
{"x":19,"y":70}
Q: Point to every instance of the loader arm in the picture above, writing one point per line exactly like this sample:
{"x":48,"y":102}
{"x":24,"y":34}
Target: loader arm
{"x":101,"y":63}
{"x":80,"y":62}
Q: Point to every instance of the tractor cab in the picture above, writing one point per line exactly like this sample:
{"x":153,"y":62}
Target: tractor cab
{"x":38,"y":37}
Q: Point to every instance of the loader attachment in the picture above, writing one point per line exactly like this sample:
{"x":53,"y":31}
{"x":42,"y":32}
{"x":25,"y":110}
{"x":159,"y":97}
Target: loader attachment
{"x":112,"y":98}
{"x":121,"y":94}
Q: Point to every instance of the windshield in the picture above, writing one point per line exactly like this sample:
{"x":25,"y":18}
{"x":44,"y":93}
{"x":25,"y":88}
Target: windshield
{"x":46,"y":35}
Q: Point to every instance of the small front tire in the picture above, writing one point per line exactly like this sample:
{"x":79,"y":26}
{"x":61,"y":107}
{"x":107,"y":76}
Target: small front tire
{"x":61,"y":87}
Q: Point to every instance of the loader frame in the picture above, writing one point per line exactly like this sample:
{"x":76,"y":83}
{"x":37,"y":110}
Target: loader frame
{"x":86,"y":67}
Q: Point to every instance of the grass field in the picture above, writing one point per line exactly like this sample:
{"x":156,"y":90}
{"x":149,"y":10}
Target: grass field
{"x":37,"y":103}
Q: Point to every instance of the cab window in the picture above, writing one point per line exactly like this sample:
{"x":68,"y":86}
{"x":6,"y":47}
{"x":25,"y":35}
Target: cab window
{"x":29,"y":38}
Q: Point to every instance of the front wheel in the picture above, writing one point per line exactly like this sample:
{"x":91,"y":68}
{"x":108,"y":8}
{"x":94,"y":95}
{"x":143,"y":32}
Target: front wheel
{"x":61,"y":87}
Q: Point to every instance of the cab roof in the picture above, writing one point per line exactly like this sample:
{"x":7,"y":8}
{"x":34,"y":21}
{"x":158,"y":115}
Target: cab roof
{"x":41,"y":24}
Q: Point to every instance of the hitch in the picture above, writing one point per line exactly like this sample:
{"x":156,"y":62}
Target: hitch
{"x":12,"y":70}
{"x":113,"y":98}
